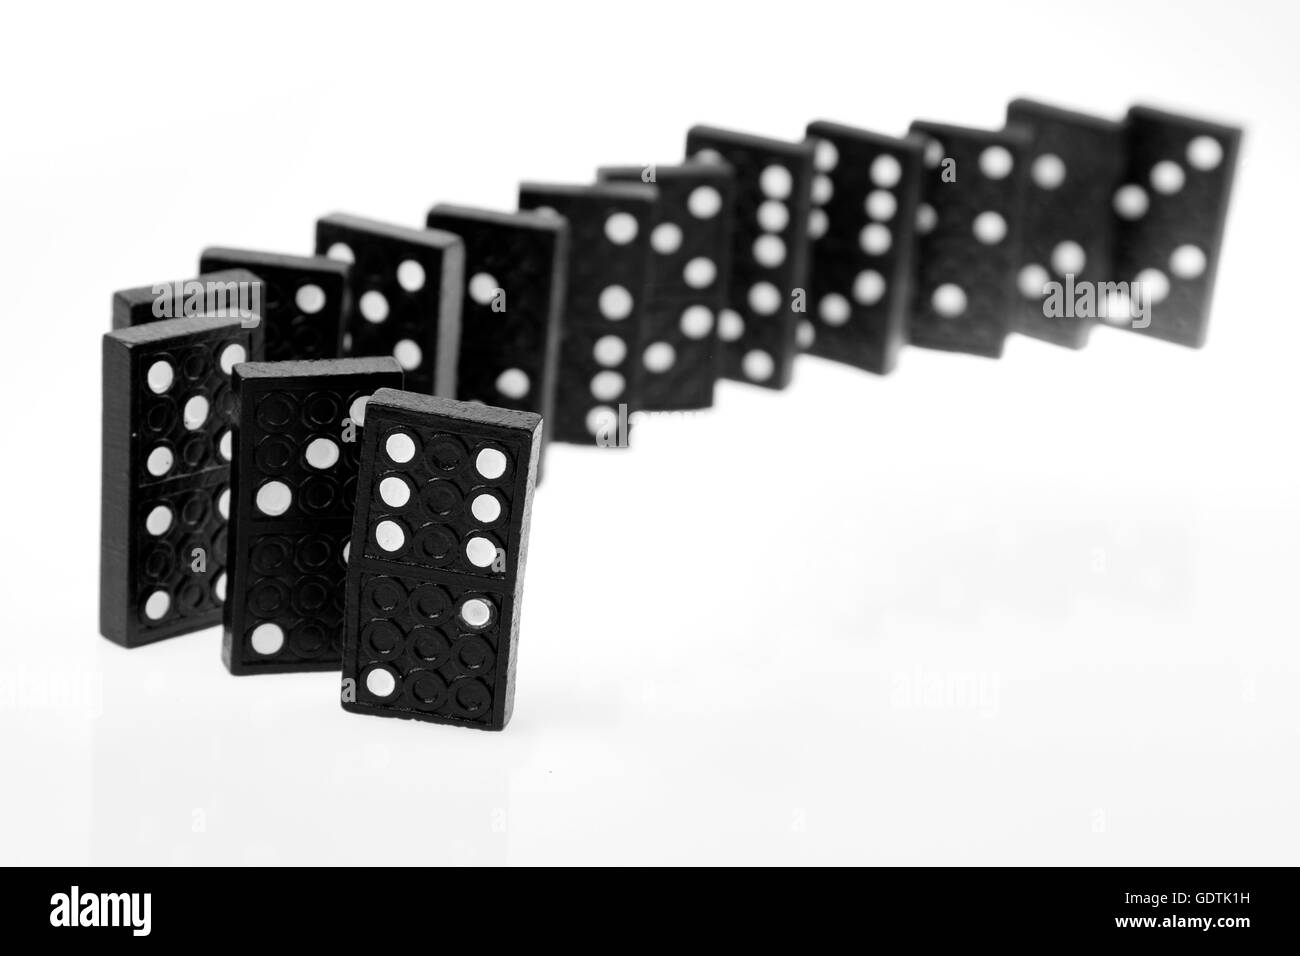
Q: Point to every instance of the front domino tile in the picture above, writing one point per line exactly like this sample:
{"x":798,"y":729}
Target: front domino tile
{"x":607,"y":295}
{"x":439,"y":543}
{"x":1170,"y":214}
{"x":687,"y":311}
{"x":293,"y":489}
{"x":406,"y":296}
{"x":968,"y":246}
{"x":865,"y":196}
{"x":167,"y":444}
{"x":767,"y":288}
{"x":305,"y":300}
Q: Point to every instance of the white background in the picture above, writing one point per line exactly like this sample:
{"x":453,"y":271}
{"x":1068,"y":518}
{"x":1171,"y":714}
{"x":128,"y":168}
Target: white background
{"x":1036,"y":610}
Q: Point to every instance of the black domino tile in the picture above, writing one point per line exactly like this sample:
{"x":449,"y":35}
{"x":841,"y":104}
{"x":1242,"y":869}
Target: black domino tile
{"x":966,"y":285}
{"x":1170,"y":219}
{"x":168,"y":415}
{"x":682,"y":356}
{"x":406,"y":296}
{"x":516,"y":265}
{"x":439,"y":544}
{"x":227,"y":293}
{"x":293,"y":489}
{"x":1074,"y":164}
{"x":767,"y":284}
{"x":304,"y":299}
{"x":607,"y":295}
{"x":865,"y":192}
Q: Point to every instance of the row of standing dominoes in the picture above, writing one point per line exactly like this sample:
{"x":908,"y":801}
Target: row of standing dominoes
{"x":346,"y":478}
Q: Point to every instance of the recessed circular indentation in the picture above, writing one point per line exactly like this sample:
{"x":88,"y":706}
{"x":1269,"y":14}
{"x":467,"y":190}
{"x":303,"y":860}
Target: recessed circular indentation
{"x":769,"y":251}
{"x":483,"y":287}
{"x":223,"y":504}
{"x":476,"y":612}
{"x":374,"y":306}
{"x":933,"y":154}
{"x":160,"y":461}
{"x":805,"y":335}
{"x":480,"y":552}
{"x":1032,"y":281}
{"x":881,"y":205}
{"x":764,"y":298}
{"x":608,"y":350}
{"x":704,"y":202}
{"x":696,"y":321}
{"x":996,"y":162}
{"x":834,"y":309}
{"x":394,"y":491}
{"x":195,"y":412}
{"x":1187,"y":261}
{"x":989,"y":228}
{"x":321,"y":453}
{"x":231,"y":356}
{"x":825,"y":156}
{"x":615,"y":303}
{"x":225,"y":445}
{"x":389,"y":535}
{"x":606,"y":386}
{"x":1131,"y":202}
{"x":399,"y":447}
{"x":699,"y":272}
{"x":357,"y":410}
{"x":1068,"y":258}
{"x":159,"y":520}
{"x":601,"y":420}
{"x":926,"y":218}
{"x":949,"y":300}
{"x":380,"y":682}
{"x":818,"y":223}
{"x":266,"y":639}
{"x":659,"y":357}
{"x":868,"y":287}
{"x":730,"y":325}
{"x":757,"y":365}
{"x":485,"y":508}
{"x":875,"y":239}
{"x":775,"y":181}
{"x":310,"y":298}
{"x":1153,"y":285}
{"x":409,"y":355}
{"x":410,"y":275}
{"x":886,"y":171}
{"x":490,"y":463}
{"x":620,"y":228}
{"x":160,"y":377}
{"x":773,"y":216}
{"x":157,"y":605}
{"x":219,"y":587}
{"x":341,"y":251}
{"x":1048,"y":171}
{"x":666,"y":238}
{"x":1167,"y":177}
{"x":513,"y":383}
{"x":1204,"y":153}
{"x":274,"y":498}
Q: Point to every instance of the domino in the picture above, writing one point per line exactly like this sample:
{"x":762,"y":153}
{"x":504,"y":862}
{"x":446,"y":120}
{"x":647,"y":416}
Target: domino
{"x":167,"y":417}
{"x":293,"y":488}
{"x":865,"y":194}
{"x":1075,"y":163}
{"x":682,"y":356}
{"x":228,"y":293}
{"x":968,"y":226}
{"x":1170,"y":214}
{"x":605,"y":304}
{"x":515,"y":269}
{"x":439,"y":544}
{"x":305,"y":299}
{"x":406,"y":296}
{"x":767,"y":286}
